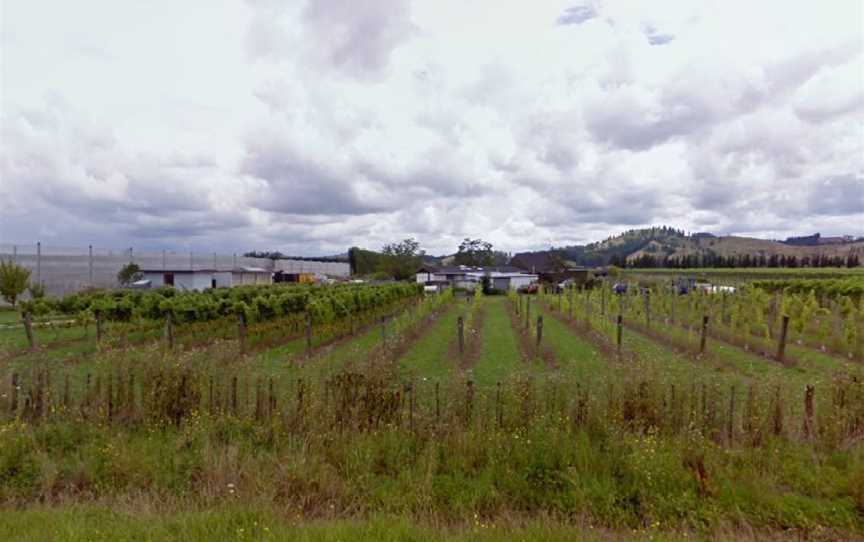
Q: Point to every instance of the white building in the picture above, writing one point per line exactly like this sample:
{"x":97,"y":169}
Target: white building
{"x":467,"y":277}
{"x":201,"y":279}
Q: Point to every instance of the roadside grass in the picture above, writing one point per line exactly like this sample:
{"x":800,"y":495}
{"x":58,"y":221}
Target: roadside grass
{"x":429,"y":357}
{"x":95,"y":523}
{"x":500,"y":357}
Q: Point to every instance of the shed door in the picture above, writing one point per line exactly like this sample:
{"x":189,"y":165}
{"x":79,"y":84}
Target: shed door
{"x":168,"y":279}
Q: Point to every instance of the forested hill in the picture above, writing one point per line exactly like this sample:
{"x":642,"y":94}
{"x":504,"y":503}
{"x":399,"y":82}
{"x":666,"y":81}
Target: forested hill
{"x":669,"y":247}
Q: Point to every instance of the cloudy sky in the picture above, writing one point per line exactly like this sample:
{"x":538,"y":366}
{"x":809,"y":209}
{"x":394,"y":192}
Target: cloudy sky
{"x":310,"y":127}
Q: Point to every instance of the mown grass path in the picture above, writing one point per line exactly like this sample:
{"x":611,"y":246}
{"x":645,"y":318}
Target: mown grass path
{"x":500,"y":356}
{"x":429,"y":356}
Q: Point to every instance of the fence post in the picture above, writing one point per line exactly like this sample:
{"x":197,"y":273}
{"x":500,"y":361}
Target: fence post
{"x":539,"y":330}
{"x":570,"y":306}
{"x":308,"y":334}
{"x":98,"y":316}
{"x":13,"y":394}
{"x":527,"y":312}
{"x":781,"y":342}
{"x":28,"y":329}
{"x":808,"y":411}
{"x":241,"y":331}
{"x":704,"y":334}
{"x":730,"y":422}
{"x":169,"y":330}
{"x":460,"y":326}
{"x":619,"y":328}
{"x":647,"y":296}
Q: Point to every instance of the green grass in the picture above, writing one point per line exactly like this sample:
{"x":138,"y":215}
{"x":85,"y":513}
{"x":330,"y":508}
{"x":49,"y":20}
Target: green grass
{"x":429,"y":357}
{"x":500,"y":357}
{"x":235,"y":522}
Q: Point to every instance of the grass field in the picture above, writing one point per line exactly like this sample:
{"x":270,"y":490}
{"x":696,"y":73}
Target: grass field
{"x":390,"y":434}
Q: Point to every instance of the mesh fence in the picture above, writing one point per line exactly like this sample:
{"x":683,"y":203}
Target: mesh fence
{"x":64,"y":270}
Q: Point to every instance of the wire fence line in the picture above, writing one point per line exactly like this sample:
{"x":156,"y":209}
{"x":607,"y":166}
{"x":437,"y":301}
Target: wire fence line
{"x":64,"y":270}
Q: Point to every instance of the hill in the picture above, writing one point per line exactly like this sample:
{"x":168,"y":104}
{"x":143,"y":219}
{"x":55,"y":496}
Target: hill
{"x":669,"y":247}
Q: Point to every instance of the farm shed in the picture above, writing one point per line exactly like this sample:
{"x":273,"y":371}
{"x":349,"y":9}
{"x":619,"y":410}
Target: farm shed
{"x":463,"y":276}
{"x":182,"y":279}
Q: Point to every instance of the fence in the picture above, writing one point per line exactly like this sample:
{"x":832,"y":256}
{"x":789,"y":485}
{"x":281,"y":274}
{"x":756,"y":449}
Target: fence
{"x":67,"y":269}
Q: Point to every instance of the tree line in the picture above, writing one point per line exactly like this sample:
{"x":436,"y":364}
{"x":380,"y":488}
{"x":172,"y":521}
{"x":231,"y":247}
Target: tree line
{"x":713,"y":260}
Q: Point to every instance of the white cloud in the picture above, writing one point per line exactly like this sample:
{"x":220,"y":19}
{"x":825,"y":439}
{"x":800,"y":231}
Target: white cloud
{"x":313,"y":126}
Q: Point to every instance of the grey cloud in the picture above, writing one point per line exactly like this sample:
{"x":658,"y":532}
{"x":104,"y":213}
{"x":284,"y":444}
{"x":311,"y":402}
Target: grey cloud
{"x":355,"y":37}
{"x":297,"y":185}
{"x":577,"y":15}
{"x":656,"y":37}
{"x":841,"y":195}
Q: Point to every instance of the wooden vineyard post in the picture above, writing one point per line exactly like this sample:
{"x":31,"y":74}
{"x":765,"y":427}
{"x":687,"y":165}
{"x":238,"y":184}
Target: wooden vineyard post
{"x":704,"y":336}
{"x":299,"y":396}
{"x":169,"y":330}
{"x":518,"y":303}
{"x":271,"y":399}
{"x":308,"y":335}
{"x":539,"y":330}
{"x":527,"y":312}
{"x":241,"y":331}
{"x":384,"y":331}
{"x":647,"y":296}
{"x":28,"y":329}
{"x":469,"y":401}
{"x":808,"y":411}
{"x":561,"y":302}
{"x":460,"y":330}
{"x":411,"y":406}
{"x":730,"y":420}
{"x":98,"y":316}
{"x":13,"y":394}
{"x":781,"y":341}
{"x":570,"y":305}
{"x":66,"y":403}
{"x":723,"y":308}
{"x":619,"y":328}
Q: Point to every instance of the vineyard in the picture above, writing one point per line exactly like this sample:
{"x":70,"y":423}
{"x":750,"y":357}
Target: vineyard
{"x":359,"y":411}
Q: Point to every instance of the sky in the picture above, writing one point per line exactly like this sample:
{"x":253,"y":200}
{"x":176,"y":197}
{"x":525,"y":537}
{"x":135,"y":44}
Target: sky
{"x":309,"y":127}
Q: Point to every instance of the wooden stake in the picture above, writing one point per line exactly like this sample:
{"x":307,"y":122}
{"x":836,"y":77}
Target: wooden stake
{"x":704,"y":335}
{"x":460,"y":329}
{"x":539,"y":330}
{"x":781,"y":342}
{"x":169,"y":330}
{"x":28,"y":329}
{"x":808,"y":411}
{"x":619,"y":328}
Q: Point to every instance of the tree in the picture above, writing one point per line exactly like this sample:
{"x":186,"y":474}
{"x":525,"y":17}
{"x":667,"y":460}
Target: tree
{"x":475,"y":252}
{"x":402,"y":259}
{"x":129,"y":273}
{"x":13,"y":280}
